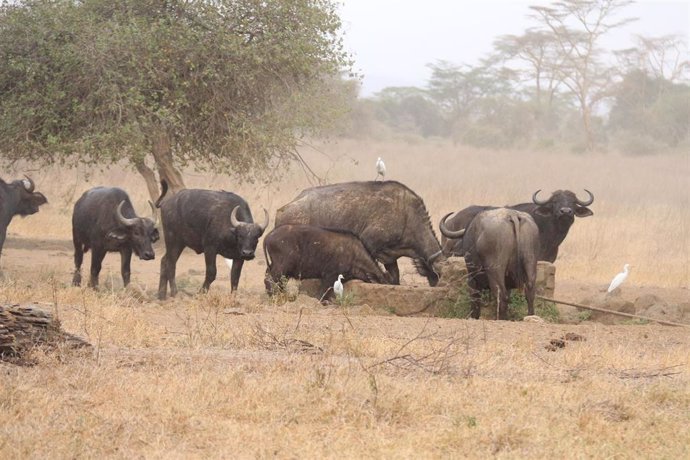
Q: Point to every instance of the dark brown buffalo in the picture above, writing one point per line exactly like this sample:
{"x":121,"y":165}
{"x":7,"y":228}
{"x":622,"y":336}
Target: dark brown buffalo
{"x":553,"y":217}
{"x":104,"y":221}
{"x":304,"y":252}
{"x":212,"y":222}
{"x":17,"y":199}
{"x":500,"y":247}
{"x":389,"y":218}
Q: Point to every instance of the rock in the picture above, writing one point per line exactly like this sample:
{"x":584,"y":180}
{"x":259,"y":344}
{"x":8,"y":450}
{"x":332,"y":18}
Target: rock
{"x":533,"y":319}
{"x":646,"y":301}
{"x":454,"y":272}
{"x":574,"y":337}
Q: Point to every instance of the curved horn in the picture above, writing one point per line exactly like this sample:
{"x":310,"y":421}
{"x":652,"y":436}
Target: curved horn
{"x":233,"y":217}
{"x":31,"y":186}
{"x":154,"y":216}
{"x":265,"y":224}
{"x":449,"y":233}
{"x":537,"y":201}
{"x":586,"y":203}
{"x":122,"y":219}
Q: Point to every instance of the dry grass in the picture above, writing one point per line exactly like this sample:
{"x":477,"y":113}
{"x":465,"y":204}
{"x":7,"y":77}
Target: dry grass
{"x":641,"y":210}
{"x":219,"y":376}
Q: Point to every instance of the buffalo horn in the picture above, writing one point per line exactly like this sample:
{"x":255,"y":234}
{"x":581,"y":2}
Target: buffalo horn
{"x":154,"y":216}
{"x":586,"y":203}
{"x":123,"y":220}
{"x":450,"y":233}
{"x":233,"y":217}
{"x":535,"y":200}
{"x":265,"y":224}
{"x":31,"y":186}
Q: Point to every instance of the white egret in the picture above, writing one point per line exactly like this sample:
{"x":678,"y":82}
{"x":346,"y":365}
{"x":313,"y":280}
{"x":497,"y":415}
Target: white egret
{"x":338,"y":287}
{"x":380,"y":169}
{"x":619,"y":278}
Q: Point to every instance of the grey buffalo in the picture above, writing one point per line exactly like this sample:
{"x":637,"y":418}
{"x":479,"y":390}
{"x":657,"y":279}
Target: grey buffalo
{"x":390,"y":219}
{"x":209,"y":222}
{"x":500,"y":247}
{"x":104,"y":221}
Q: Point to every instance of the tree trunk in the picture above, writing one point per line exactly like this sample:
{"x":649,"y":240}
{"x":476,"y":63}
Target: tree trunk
{"x":587,"y":123}
{"x":150,"y":179}
{"x":162,"y":155}
{"x":24,"y":327}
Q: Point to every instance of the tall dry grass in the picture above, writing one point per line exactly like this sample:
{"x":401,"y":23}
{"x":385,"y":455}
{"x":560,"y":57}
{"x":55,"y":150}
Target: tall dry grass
{"x":641,"y":210}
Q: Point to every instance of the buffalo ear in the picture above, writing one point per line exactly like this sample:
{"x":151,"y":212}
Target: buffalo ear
{"x":119,"y":235}
{"x":37,"y":199}
{"x":543,"y":211}
{"x":582,"y":211}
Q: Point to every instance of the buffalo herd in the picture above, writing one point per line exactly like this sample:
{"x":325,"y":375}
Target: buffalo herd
{"x":356,"y":229}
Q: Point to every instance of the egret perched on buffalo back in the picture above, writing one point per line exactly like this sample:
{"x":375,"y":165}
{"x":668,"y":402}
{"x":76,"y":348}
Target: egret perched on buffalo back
{"x":380,"y":169}
{"x":619,"y":278}
{"x":338,"y":287}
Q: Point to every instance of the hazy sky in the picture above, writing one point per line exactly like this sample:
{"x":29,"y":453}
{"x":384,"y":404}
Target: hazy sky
{"x":392,"y":41}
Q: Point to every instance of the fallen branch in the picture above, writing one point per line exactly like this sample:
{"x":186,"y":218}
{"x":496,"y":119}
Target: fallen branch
{"x":613,"y":312}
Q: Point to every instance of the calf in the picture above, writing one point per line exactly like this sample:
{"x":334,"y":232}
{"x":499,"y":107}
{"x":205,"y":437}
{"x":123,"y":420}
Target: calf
{"x":212,"y":222}
{"x":304,"y":251}
{"x":104,"y":221}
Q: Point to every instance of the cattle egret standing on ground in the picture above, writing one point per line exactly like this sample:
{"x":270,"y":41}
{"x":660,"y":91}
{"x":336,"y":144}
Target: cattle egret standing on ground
{"x":380,"y":169}
{"x":338,"y":287}
{"x":619,"y":278}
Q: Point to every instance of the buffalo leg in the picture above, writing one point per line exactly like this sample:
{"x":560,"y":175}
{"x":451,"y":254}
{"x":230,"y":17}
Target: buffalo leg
{"x":125,"y":264}
{"x":210,"y":258}
{"x":500,"y":293}
{"x":475,"y":297}
{"x":168,"y":266}
{"x":97,"y":256}
{"x":235,"y":273}
{"x":3,"y":235}
{"x":530,"y":289}
{"x":394,"y":271}
{"x":78,"y":260}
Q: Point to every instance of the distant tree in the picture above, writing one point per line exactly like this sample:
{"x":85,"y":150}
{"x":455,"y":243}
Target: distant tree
{"x":577,"y":27}
{"x":226,"y":85}
{"x":651,"y":109}
{"x":410,"y":109}
{"x":535,"y":58}
{"x":664,"y":57}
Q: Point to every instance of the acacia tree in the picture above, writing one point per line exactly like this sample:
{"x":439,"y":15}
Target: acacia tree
{"x":577,"y":27}
{"x":227,"y":85}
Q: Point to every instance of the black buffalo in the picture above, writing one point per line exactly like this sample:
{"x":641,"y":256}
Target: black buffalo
{"x":304,"y":251}
{"x":553,"y":217}
{"x":500,"y":247}
{"x":17,"y":198}
{"x":212,"y":222}
{"x":105,"y":221}
{"x":389,"y":218}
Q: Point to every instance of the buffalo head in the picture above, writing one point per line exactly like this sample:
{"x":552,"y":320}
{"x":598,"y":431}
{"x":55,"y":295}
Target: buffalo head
{"x":140,"y":232}
{"x":564,"y":205}
{"x":29,"y":200}
{"x":247,"y":234}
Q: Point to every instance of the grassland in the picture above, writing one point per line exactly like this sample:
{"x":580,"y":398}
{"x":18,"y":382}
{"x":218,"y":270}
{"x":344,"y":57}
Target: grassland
{"x":241,"y":376}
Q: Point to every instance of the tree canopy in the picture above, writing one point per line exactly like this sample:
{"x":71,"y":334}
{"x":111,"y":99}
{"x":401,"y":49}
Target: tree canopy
{"x":224,"y":84}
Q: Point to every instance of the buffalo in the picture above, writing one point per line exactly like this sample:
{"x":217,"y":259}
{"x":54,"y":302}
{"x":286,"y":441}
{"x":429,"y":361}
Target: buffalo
{"x":212,"y":222}
{"x":553,"y":216}
{"x":303,"y":251}
{"x":500,"y":247}
{"x":390,"y":219}
{"x":104,"y":221}
{"x":17,"y":198}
